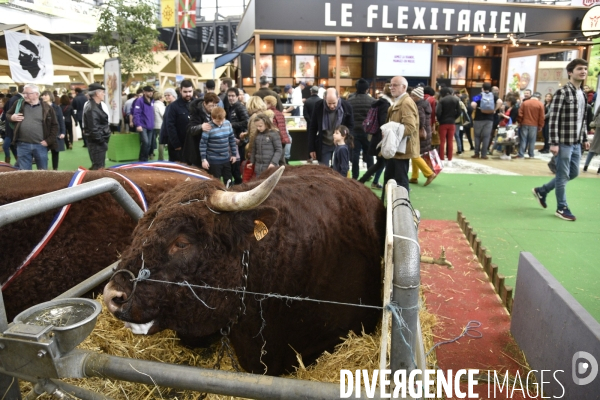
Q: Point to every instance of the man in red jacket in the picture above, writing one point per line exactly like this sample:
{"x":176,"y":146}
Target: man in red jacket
{"x":531,"y":120}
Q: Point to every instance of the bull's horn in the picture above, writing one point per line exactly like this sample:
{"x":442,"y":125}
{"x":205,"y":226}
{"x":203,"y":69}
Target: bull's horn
{"x":239,"y":201}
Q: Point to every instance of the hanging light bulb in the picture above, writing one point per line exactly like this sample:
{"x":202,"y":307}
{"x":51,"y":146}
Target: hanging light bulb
{"x":445,"y":40}
{"x":433,"y":40}
{"x":387,"y":38}
{"x":377,"y":38}
{"x":368,"y":38}
{"x":395,"y":39}
{"x":405,"y":40}
{"x":527,"y":45}
{"x":347,"y":39}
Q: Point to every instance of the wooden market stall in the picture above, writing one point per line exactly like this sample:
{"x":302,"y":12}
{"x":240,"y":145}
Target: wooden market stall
{"x":164,"y":68}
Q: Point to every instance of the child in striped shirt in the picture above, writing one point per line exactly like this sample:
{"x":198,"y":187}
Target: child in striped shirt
{"x":217,"y":146}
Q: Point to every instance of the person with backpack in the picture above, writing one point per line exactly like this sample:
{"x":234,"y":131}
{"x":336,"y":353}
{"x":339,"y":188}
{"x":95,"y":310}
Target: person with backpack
{"x":376,"y":117}
{"x":361,"y":106}
{"x":485,"y":108}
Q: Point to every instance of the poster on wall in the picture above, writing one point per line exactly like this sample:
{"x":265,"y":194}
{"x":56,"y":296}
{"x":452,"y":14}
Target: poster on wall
{"x":547,"y":87}
{"x":305,"y":67}
{"x":458,"y":70}
{"x":30,"y":58}
{"x":266,"y":68}
{"x":112,"y":83}
{"x":521,"y":74}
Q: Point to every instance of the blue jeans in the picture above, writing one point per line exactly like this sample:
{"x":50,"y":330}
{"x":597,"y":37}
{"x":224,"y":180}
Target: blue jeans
{"x":458,"y":137}
{"x":567,"y":168}
{"x":287,"y":148}
{"x":528,"y":136}
{"x":6,"y":146}
{"x":27,"y":151}
{"x":326,"y":154}
{"x":145,"y":143}
{"x":588,"y":160}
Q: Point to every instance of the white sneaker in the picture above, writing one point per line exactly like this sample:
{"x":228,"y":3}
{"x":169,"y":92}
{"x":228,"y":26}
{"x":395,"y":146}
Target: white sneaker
{"x":505,"y":157}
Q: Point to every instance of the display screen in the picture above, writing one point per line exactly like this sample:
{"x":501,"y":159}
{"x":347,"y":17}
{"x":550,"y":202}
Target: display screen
{"x":406,"y":59}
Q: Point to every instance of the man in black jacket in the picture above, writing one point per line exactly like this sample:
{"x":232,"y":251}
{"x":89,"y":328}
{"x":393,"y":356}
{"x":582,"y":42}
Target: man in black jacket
{"x":446,"y":111}
{"x":309,"y":105}
{"x":329,"y":113}
{"x":176,"y":120}
{"x":77,"y":104}
{"x":237,"y":114}
{"x":361,"y":104}
{"x":8,"y":130}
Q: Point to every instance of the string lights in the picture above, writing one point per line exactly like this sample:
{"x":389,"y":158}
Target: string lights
{"x":515,"y":40}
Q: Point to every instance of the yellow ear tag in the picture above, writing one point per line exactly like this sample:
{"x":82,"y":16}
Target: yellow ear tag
{"x":260,"y":229}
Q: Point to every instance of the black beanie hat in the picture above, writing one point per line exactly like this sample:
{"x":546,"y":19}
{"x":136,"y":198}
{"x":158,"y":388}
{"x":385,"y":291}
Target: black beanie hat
{"x":362,"y":86}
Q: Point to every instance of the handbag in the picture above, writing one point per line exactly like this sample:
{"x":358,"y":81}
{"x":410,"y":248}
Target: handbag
{"x":432,"y":159}
{"x":248,"y":171}
{"x":422,"y":133}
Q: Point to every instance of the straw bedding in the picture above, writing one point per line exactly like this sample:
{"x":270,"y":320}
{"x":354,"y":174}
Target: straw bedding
{"x":358,"y":351}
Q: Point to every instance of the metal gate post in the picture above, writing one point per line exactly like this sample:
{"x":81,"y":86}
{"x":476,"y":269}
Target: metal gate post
{"x":406,"y":283}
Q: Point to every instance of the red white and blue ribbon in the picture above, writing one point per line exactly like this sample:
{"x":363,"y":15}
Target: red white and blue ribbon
{"x":137,"y":190}
{"x":58,"y":219}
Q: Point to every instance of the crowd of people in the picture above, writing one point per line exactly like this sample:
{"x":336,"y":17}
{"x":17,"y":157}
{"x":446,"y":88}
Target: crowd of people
{"x":235,"y":136}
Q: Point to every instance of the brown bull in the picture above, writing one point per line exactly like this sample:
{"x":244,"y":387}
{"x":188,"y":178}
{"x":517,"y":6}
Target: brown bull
{"x":324,"y":241}
{"x":93,"y":235}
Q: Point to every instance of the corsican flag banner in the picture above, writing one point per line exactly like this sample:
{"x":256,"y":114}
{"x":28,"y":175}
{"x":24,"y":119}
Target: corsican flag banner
{"x":30,"y":58}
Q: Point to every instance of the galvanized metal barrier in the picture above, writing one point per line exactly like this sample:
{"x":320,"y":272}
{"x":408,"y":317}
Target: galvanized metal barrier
{"x":9,"y":213}
{"x":36,"y":205}
{"x":401,"y":286}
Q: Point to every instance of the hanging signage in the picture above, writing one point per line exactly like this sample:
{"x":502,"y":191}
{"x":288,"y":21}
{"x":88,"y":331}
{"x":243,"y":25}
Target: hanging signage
{"x":590,"y":25}
{"x":392,"y":17}
{"x":30,"y":58}
{"x":186,"y":13}
{"x":112,"y":83}
{"x":167,"y":13}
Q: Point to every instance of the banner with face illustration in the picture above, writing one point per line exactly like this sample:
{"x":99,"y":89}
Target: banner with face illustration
{"x":30,"y":58}
{"x":112,"y":83}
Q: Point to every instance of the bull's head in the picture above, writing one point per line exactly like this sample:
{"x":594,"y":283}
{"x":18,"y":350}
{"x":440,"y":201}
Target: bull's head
{"x":197,"y":233}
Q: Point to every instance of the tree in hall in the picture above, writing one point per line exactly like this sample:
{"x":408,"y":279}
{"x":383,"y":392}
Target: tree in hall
{"x":128,"y":30}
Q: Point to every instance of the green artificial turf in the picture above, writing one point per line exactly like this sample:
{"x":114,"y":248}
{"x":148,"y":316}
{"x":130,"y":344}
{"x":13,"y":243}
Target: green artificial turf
{"x":508,"y":220}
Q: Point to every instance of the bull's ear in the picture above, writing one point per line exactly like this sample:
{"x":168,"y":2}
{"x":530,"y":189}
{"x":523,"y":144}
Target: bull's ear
{"x":262,"y":219}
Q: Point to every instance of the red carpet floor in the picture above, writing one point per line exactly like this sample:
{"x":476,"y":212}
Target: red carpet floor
{"x":459,"y":295}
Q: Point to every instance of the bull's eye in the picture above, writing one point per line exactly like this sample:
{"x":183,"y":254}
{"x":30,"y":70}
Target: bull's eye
{"x":182,"y":245}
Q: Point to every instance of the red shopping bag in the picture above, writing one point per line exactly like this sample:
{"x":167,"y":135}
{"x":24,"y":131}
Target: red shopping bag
{"x":432,"y":159}
{"x":247,"y":172}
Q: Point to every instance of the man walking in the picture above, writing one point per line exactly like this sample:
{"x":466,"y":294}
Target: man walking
{"x":485,"y":108}
{"x":143,"y":120}
{"x":531,"y":120}
{"x":329,"y":113}
{"x":309,"y":105}
{"x":568,"y":131}
{"x":404,"y":111}
{"x":35,"y":130}
{"x":361,"y":104}
{"x":176,"y":120}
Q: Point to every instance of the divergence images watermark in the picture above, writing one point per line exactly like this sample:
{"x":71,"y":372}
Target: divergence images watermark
{"x":431,"y":383}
